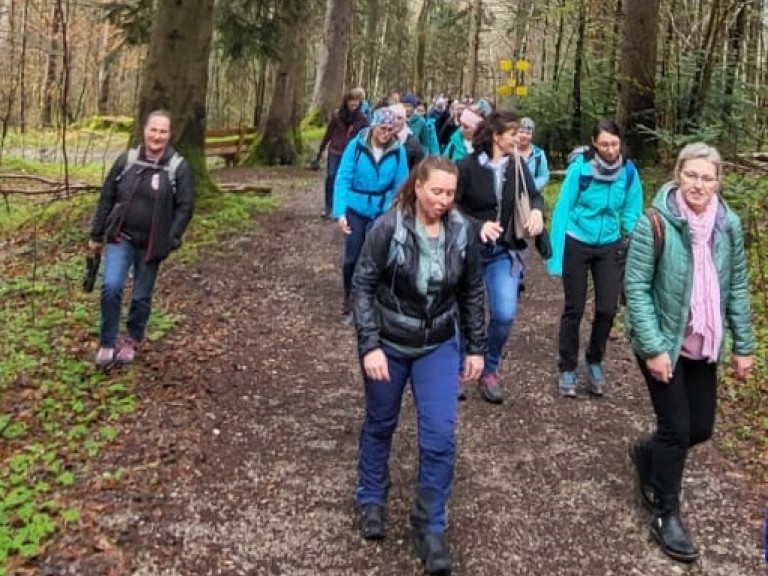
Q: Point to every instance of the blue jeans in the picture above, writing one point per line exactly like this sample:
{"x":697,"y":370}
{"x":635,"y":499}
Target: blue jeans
{"x":501,"y":272}
{"x":353,"y":244}
{"x":332,"y":167}
{"x":118,"y":259}
{"x":433,"y":383}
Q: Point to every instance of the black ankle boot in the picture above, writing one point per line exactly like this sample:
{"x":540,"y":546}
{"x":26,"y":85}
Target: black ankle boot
{"x":372,"y":521}
{"x":433,"y":553}
{"x":669,"y":532}
{"x":640,"y":454}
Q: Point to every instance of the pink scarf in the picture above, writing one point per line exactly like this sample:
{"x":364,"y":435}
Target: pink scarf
{"x":705,"y":318}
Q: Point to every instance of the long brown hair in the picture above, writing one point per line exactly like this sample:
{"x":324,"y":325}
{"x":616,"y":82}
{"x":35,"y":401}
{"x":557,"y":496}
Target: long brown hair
{"x":497,"y":122}
{"x":406,"y":198}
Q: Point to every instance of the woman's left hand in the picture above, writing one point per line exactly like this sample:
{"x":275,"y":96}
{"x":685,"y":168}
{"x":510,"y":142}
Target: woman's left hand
{"x":473,"y":367}
{"x":535,"y":224}
{"x":741,"y":366}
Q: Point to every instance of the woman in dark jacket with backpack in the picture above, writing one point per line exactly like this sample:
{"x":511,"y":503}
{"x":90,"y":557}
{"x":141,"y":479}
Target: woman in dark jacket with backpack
{"x":345,"y":123}
{"x":145,"y":206}
{"x":490,"y":179}
{"x":417,"y":279}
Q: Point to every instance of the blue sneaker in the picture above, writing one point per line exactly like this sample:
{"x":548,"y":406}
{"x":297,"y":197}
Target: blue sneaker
{"x":566,"y":385}
{"x":595,"y":379}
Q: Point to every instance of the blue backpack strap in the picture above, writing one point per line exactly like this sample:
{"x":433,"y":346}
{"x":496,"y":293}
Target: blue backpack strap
{"x":630,"y":171}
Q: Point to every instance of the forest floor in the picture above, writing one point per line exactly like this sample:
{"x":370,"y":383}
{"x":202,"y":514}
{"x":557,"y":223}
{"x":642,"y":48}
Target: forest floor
{"x":242,"y":457}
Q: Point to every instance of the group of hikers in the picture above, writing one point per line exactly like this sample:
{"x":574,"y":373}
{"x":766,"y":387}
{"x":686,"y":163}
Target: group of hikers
{"x":436,"y":239}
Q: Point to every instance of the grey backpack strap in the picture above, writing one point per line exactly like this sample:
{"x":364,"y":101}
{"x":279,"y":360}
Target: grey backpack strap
{"x":396,"y":252}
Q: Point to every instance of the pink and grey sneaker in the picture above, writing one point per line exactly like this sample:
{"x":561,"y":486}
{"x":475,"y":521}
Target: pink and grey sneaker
{"x":105,"y":358}
{"x":490,"y":388}
{"x":126,"y":350}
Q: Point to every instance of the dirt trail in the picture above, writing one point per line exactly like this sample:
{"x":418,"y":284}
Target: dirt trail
{"x":245,"y":464}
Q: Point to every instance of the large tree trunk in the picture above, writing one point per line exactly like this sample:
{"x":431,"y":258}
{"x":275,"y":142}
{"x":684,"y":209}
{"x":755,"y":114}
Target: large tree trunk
{"x":107,"y":58}
{"x":733,"y":63}
{"x":370,"y":44}
{"x":422,"y":31}
{"x":637,"y":103}
{"x":578,"y":64}
{"x":175,"y":76}
{"x":278,"y":144}
{"x":475,"y":23}
{"x":332,"y":69}
{"x":704,"y":64}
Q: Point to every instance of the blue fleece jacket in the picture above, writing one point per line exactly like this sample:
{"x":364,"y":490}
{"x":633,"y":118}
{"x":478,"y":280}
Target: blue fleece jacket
{"x":598,"y":215}
{"x":364,"y":185}
{"x":538,"y":167}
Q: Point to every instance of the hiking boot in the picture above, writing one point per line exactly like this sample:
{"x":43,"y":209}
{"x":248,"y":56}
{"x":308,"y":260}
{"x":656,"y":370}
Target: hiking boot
{"x":105,"y":358}
{"x":640,"y":455}
{"x":432,"y":551}
{"x":669,"y":532}
{"x":372,"y":521}
{"x":490,"y":388}
{"x":346,"y":311}
{"x":126,"y":350}
{"x":595,"y":379}
{"x":566,"y":385}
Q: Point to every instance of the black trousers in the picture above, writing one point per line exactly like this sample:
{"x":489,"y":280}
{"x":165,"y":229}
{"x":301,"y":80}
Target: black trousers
{"x":685,"y":416}
{"x":579,"y":259}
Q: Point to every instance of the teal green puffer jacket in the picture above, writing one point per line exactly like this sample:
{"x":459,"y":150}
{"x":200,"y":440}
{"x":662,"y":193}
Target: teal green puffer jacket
{"x":659,"y":296}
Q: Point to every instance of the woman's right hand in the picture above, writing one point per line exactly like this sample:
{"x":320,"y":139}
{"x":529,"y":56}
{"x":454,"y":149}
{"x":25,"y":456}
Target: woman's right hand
{"x":344,"y":226}
{"x":660,"y":367}
{"x":376,"y":366}
{"x":490,"y":231}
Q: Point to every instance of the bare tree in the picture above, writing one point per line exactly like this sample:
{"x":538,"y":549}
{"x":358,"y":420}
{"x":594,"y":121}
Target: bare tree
{"x":475,"y":25}
{"x":422,"y":30}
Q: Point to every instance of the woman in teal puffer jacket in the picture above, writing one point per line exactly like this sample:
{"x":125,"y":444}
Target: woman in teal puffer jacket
{"x":686,"y":281}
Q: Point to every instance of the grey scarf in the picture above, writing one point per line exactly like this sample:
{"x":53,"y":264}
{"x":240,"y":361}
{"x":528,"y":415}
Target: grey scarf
{"x":605,"y":172}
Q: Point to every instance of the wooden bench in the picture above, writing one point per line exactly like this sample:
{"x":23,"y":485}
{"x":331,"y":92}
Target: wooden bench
{"x":229,"y":144}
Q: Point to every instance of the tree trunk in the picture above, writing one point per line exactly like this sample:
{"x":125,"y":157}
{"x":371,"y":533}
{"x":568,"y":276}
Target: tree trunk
{"x":560,"y":36}
{"x":332,"y":69}
{"x":107,"y":59}
{"x":422,"y":31}
{"x":278,"y":143}
{"x":370,"y":45}
{"x":175,"y":77}
{"x":704,"y":63}
{"x":475,"y":23}
{"x":637,"y":84}
{"x":733,"y":63}
{"x":578,"y":61}
{"x":50,"y":90}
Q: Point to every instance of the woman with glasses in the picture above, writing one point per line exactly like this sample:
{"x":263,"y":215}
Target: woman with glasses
{"x":600,"y":201}
{"x":372,"y":168}
{"x":686,"y":282}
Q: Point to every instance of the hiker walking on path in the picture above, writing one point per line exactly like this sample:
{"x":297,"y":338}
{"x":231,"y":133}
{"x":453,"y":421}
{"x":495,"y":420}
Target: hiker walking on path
{"x":145,"y":205}
{"x":489,"y":182}
{"x":372,"y":169}
{"x":460,"y":144}
{"x":600,"y":200}
{"x":534,"y":156}
{"x":418,"y":274}
{"x":686,"y":281}
{"x":345,"y":123}
{"x":413,"y":150}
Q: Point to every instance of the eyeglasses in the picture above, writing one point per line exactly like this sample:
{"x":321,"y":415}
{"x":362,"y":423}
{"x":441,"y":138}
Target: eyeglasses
{"x":706,"y":179}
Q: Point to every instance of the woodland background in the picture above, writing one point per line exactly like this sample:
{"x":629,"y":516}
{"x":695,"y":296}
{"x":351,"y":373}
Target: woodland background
{"x":668,"y":70}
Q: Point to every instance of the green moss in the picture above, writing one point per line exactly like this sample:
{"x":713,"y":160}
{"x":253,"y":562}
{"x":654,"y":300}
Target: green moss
{"x":115,"y":123}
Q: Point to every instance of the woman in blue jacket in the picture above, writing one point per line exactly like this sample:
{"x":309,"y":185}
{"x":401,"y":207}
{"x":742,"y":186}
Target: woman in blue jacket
{"x":600,"y":201}
{"x":372,"y":168}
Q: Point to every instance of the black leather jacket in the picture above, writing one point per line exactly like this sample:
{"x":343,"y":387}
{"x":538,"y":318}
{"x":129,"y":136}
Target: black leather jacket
{"x":386,"y":301}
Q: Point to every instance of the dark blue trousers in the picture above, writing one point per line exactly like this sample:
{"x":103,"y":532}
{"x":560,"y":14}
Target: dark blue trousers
{"x":433,"y":383}
{"x":332,"y":167}
{"x":353,"y":244}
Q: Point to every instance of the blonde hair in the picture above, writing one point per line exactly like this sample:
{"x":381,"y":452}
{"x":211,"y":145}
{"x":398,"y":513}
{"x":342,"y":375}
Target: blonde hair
{"x":698,"y":151}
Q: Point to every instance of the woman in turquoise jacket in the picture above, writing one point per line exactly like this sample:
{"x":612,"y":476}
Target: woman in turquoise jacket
{"x":600,"y":200}
{"x":372,"y":169}
{"x":686,"y":281}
